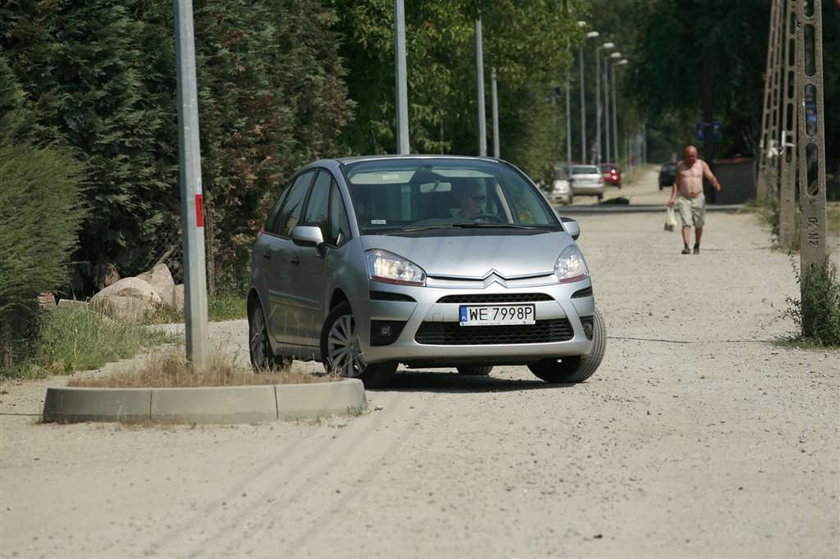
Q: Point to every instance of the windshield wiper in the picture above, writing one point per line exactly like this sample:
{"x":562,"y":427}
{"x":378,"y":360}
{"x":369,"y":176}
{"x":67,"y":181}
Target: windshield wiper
{"x":418,"y":228}
{"x":473,"y":225}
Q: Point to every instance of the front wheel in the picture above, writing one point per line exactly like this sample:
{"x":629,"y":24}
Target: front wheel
{"x":342,"y":354}
{"x":576,"y":368}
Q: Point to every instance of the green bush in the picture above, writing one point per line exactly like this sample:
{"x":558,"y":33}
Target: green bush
{"x":818,"y":310}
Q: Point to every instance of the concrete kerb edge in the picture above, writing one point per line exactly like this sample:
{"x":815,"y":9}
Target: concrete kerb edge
{"x":233,"y":404}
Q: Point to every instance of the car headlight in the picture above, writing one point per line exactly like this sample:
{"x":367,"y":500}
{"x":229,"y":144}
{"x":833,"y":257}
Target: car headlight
{"x":387,"y":267}
{"x":570,"y":265}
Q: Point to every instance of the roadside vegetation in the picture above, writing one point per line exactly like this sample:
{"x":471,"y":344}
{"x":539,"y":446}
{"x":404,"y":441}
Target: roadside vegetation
{"x":223,"y":305}
{"x":169,"y":368}
{"x":79,"y":339}
{"x":817,"y":310}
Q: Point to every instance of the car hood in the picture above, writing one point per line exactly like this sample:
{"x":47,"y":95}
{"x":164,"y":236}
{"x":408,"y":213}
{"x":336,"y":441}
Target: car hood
{"x":476,"y":256}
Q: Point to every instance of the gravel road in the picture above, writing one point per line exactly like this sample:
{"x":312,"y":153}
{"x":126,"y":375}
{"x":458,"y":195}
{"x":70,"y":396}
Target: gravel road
{"x":698,"y":437}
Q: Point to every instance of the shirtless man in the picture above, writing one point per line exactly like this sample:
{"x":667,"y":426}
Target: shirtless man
{"x":687,"y":194}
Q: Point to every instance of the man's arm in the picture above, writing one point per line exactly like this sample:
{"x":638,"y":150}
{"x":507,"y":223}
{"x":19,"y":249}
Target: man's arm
{"x":707,"y":172}
{"x":675,"y":187}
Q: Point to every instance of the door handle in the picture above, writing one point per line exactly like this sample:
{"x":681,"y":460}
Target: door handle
{"x":295,"y":260}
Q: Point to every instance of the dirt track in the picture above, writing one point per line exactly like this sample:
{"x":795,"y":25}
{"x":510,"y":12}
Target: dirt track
{"x":697,"y":437}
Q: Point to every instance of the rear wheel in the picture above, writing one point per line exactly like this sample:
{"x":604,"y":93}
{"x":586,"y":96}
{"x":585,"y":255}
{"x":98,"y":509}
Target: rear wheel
{"x":477,"y":370}
{"x":579,"y":367}
{"x":342,"y":354}
{"x":259,"y":347}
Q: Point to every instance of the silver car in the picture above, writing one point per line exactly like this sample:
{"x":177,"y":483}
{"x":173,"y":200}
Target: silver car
{"x":587,"y":180}
{"x":430,"y":261}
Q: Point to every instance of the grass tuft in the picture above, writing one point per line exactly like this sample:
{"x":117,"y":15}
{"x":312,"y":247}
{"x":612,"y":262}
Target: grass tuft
{"x":818,"y":311}
{"x":79,"y":339}
{"x":169,"y":368}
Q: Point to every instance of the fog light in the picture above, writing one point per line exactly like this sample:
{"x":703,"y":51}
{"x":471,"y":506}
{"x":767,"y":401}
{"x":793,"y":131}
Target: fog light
{"x":587,"y":323}
{"x":384,"y":332}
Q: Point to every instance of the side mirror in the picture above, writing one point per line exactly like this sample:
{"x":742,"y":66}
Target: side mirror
{"x":571,"y":226}
{"x":308,"y":236}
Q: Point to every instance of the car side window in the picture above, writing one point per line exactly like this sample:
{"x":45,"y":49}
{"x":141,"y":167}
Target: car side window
{"x":339,"y":231}
{"x":317,"y":207}
{"x":291,"y":209}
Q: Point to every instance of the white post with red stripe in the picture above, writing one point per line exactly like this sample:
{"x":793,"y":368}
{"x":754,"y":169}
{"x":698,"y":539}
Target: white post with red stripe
{"x":192,"y":217}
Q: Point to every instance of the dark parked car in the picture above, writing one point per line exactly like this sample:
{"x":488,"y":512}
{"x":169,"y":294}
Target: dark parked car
{"x":611,"y":174}
{"x":667,"y":174}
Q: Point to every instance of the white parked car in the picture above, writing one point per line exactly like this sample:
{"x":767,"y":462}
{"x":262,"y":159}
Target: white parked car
{"x":587,"y":181}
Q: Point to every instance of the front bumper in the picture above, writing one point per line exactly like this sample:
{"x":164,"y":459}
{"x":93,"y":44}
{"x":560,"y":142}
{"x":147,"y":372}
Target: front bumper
{"x":431,"y":334}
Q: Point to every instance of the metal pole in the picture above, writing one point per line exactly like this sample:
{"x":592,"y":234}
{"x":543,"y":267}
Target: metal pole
{"x":582,"y":109}
{"x":192,"y":217}
{"x":495,"y":109}
{"x":787,"y":196}
{"x":479,"y":70}
{"x":812,"y":200}
{"x":597,"y":154}
{"x":614,"y":113}
{"x":568,"y":120}
{"x":774,"y":151}
{"x":607,"y":140}
{"x":764,"y":143}
{"x":402,"y":85}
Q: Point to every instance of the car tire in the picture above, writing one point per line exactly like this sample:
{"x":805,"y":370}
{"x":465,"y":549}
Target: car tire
{"x":259,"y":347}
{"x":475,"y":370}
{"x":341,"y":354}
{"x":575,"y":368}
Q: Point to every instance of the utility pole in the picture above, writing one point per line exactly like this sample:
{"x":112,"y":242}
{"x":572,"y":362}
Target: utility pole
{"x":495,"y":110}
{"x":767,"y":132}
{"x":813,"y":250}
{"x":568,"y":120}
{"x":402,"y":81}
{"x":621,"y":62}
{"x":590,"y":35}
{"x":774,"y":164}
{"x":479,"y":74}
{"x":192,"y":217}
{"x":790,"y":91}
{"x":598,"y":149}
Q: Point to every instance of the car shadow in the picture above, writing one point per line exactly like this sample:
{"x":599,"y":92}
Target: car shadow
{"x":427,"y":381}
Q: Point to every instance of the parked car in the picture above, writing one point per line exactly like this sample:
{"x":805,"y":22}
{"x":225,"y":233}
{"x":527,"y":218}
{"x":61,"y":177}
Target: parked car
{"x":561,"y":188}
{"x":431,"y":261}
{"x":667,"y":175}
{"x":611,"y":174}
{"x":587,"y":180}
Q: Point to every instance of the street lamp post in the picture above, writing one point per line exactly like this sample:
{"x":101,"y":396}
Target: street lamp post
{"x":606,"y":46}
{"x":622,"y":62}
{"x":479,"y":66}
{"x":590,"y":35}
{"x":607,"y":109}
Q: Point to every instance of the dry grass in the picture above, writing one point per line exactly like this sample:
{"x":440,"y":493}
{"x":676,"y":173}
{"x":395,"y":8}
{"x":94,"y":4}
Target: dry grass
{"x":170,"y":369}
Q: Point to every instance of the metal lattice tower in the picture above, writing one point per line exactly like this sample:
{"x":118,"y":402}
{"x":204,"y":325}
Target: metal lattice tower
{"x":767,"y":162}
{"x":790,"y":91}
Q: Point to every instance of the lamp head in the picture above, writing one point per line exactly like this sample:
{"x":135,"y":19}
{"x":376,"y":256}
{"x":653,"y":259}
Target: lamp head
{"x":592,"y":34}
{"x":582,"y":23}
{"x":621,"y":62}
{"x":608,"y":46}
{"x":615,"y":55}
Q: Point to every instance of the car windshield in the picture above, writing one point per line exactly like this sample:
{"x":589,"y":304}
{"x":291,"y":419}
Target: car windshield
{"x":584,"y":170}
{"x":410,"y":194}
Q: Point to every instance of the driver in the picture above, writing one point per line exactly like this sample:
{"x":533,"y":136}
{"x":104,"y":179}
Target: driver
{"x":471,"y":199}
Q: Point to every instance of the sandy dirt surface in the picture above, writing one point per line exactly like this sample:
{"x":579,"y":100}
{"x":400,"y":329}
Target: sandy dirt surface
{"x":698,"y":437}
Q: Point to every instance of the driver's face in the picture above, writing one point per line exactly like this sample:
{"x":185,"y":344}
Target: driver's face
{"x":471,"y":202}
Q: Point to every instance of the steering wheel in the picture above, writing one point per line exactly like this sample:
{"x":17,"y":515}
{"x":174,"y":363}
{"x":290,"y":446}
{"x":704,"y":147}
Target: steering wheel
{"x":493,"y":218}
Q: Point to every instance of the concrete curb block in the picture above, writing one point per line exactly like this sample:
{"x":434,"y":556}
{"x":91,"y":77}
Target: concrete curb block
{"x":230,"y":404}
{"x":629,"y":209}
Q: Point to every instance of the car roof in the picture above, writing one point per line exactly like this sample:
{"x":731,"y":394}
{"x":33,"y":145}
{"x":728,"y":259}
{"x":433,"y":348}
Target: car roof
{"x":357,"y":158}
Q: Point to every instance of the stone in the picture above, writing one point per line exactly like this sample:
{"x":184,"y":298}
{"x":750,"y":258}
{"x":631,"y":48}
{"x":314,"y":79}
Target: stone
{"x":105,"y":274}
{"x":127,"y":299}
{"x":160,"y":278}
{"x":178,"y":297}
{"x":46,"y":300}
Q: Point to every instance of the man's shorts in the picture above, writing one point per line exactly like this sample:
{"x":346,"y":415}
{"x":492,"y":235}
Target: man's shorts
{"x":692,"y":210}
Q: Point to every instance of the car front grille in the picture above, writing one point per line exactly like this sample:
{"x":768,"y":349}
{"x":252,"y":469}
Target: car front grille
{"x":496,"y":298}
{"x":452,"y":333}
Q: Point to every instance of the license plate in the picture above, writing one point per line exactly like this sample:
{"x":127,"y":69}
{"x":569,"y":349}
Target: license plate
{"x":492,"y":315}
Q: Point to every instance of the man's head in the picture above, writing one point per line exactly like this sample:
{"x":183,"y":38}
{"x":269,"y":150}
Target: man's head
{"x":471,"y":198}
{"x":690,"y":155}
